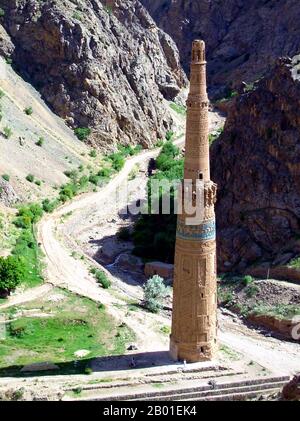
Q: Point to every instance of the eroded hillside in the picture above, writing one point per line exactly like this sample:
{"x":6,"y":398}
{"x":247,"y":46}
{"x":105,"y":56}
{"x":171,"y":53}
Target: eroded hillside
{"x":102,"y":65}
{"x":33,"y":141}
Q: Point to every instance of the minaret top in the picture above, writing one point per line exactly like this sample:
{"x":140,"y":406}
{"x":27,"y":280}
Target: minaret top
{"x":198,"y":52}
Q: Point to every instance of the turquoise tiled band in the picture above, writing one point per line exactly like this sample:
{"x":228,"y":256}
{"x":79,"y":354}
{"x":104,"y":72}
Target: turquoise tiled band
{"x":206,"y":231}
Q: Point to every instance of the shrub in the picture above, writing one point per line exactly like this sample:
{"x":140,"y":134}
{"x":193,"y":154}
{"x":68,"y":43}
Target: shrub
{"x":11,"y":273}
{"x":77,"y":16}
{"x":101,"y":278}
{"x":154,"y":292}
{"x":82,"y":133}
{"x":104,"y":173}
{"x":40,"y":142}
{"x":32,"y":213}
{"x":93,"y":153}
{"x":49,"y":206}
{"x":247,"y":280}
{"x":7,"y":131}
{"x":94,"y":179}
{"x":2,"y":12}
{"x":169,"y":135}
{"x":67,"y":192}
{"x":117,"y":160}
{"x":2,"y":94}
{"x":28,"y":111}
{"x":6,"y":177}
{"x":30,"y":178}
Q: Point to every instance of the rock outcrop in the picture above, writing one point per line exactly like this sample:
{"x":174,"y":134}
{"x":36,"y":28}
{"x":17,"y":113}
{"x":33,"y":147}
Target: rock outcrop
{"x":100,"y":64}
{"x":6,"y":45}
{"x":256,"y":164}
{"x":8,"y":196}
{"x":243,"y":37}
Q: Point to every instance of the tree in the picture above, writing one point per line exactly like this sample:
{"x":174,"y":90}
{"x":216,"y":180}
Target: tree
{"x":11,"y":273}
{"x":154,"y":292}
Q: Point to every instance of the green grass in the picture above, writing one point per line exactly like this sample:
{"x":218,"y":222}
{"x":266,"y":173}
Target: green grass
{"x":230,"y":353}
{"x":281,"y":311}
{"x":75,"y":323}
{"x":26,"y":248}
{"x":295,"y":263}
{"x":179,"y":109}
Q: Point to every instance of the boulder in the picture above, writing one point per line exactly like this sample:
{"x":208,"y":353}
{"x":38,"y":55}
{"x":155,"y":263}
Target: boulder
{"x":164,"y":270}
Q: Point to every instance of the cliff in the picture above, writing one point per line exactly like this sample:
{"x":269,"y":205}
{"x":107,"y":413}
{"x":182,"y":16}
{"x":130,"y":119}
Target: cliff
{"x":256,"y":163}
{"x":99,"y":64}
{"x":244,"y":38}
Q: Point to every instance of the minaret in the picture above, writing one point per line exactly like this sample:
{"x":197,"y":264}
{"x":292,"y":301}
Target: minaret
{"x":194,"y":321}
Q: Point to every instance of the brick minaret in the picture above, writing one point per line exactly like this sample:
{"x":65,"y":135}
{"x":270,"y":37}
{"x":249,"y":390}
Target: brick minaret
{"x":194,"y":323}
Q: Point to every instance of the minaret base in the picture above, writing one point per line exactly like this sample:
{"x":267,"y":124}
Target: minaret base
{"x":192,"y":352}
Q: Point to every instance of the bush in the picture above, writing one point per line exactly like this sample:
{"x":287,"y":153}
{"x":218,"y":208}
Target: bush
{"x":117,"y":160}
{"x":40,"y":142}
{"x":93,"y":153}
{"x":30,"y":178}
{"x":2,"y":12}
{"x":154,"y":292}
{"x":101,"y":278}
{"x":104,"y":173}
{"x":7,"y":131}
{"x":2,"y":94}
{"x":28,"y":111}
{"x":82,"y":133}
{"x":247,"y":280}
{"x":94,"y":179}
{"x":11,"y":273}
{"x":169,"y":135}
{"x":28,"y":215}
{"x":49,"y":206}
{"x":6,"y":177}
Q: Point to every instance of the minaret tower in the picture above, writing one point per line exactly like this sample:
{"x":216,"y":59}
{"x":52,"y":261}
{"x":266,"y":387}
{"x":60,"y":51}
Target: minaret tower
{"x":194,"y":321}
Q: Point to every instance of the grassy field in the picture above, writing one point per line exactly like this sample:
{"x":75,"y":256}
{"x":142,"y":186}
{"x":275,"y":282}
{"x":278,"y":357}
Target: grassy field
{"x":49,"y":330}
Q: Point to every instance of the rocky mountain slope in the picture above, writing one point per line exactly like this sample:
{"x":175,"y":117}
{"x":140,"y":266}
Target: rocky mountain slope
{"x":39,"y":144}
{"x":103,"y":65}
{"x":243,"y":37}
{"x":256,"y":163}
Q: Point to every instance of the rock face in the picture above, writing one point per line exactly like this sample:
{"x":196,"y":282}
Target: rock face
{"x":256,"y":164}
{"x":243,"y":37}
{"x":7,"y":194}
{"x":100,"y":64}
{"x":6,"y":46}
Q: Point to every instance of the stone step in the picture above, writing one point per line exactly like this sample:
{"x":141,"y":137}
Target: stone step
{"x":161,"y":378}
{"x":246,"y":386}
{"x":239,"y":396}
{"x":257,"y":389}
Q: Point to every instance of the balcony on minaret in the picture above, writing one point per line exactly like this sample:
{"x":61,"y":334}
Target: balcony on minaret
{"x":198,"y":52}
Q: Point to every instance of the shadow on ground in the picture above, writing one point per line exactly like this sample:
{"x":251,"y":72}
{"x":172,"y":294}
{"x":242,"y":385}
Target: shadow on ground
{"x":102,"y":364}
